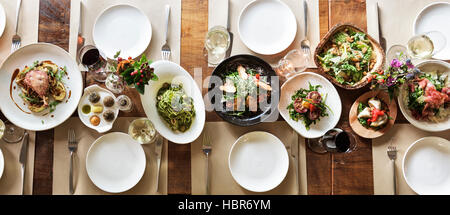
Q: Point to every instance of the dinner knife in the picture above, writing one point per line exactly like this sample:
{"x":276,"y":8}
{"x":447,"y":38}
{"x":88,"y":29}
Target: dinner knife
{"x":80,"y":39}
{"x":381,"y":38}
{"x":23,"y":158}
{"x":294,"y":154}
{"x":158,"y":150}
{"x":228,"y":53}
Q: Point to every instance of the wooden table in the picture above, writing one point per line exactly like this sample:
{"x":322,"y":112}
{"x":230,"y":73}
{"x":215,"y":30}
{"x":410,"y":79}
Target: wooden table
{"x":324,"y":175}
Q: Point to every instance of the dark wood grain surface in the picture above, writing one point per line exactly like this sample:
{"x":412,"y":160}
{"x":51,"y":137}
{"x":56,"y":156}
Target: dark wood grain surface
{"x":324,"y":175}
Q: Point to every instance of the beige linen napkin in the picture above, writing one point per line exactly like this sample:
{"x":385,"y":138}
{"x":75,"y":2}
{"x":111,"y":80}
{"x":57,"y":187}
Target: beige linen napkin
{"x":402,"y":136}
{"x":223,"y":136}
{"x":28,"y":24}
{"x":396,"y":17}
{"x":11,"y":180}
{"x":154,"y":11}
{"x":85,"y":137}
{"x":217,"y":15}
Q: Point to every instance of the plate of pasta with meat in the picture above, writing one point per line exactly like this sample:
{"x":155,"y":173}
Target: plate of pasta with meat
{"x":44,"y":86}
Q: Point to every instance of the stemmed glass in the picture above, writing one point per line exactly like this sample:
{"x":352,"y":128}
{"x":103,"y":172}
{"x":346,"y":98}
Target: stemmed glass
{"x":217,"y":43}
{"x":93,"y":60}
{"x":142,"y":130}
{"x":426,"y":45}
{"x":335,"y":141}
{"x":11,"y":133}
{"x":294,"y":62}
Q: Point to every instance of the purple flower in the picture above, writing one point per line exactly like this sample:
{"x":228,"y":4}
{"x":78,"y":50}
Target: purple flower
{"x":396,"y":63}
{"x":410,"y":76}
{"x":390,"y":81}
{"x":409,"y":64}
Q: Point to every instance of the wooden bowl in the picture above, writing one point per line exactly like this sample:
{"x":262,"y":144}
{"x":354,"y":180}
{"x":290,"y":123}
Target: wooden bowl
{"x":371,"y":133}
{"x":377,"y":50}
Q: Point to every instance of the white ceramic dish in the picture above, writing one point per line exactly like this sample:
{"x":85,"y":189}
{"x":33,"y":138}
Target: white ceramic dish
{"x":104,"y":126}
{"x":44,"y":120}
{"x":426,"y":66}
{"x":123,"y":28}
{"x":115,"y":162}
{"x":267,"y":26}
{"x":435,"y":17}
{"x":426,"y":166}
{"x":2,"y":163}
{"x":333,"y":101}
{"x":2,"y":19}
{"x":258,"y":161}
{"x":173,"y":73}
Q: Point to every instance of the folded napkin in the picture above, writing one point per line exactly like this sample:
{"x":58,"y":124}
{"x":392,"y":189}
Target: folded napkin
{"x":28,"y":24}
{"x":217,"y":15}
{"x":11,"y":180}
{"x":154,"y":11}
{"x":85,"y":137}
{"x":223,"y":136}
{"x":402,"y":136}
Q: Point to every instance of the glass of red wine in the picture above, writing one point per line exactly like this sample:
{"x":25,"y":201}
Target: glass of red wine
{"x":335,"y":141}
{"x":93,"y":60}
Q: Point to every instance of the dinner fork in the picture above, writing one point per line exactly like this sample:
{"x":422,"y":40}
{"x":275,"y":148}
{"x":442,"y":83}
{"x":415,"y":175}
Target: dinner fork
{"x":16,"y":40}
{"x":206,"y":148}
{"x":165,"y":51}
{"x":392,"y":154}
{"x":72,"y":148}
{"x":305,"y":44}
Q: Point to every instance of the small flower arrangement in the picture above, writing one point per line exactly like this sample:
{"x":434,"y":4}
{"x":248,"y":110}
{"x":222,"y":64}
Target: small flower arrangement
{"x":135,"y":73}
{"x":399,"y":71}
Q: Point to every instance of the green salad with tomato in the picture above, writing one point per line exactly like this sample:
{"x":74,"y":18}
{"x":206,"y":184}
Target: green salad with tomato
{"x":308,"y":105}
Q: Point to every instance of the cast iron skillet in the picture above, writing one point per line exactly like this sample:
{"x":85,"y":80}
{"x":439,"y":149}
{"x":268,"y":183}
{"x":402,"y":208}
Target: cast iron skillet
{"x":264,"y":69}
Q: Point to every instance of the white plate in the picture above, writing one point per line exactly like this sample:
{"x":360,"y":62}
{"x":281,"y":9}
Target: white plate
{"x":426,"y":166}
{"x":104,"y":126}
{"x":267,"y":26}
{"x":333,"y":101}
{"x":2,"y":163}
{"x":115,"y":162}
{"x":425,"y":66}
{"x":2,"y":19}
{"x":123,"y":28}
{"x":258,"y":161}
{"x":173,"y":73}
{"x":435,"y":17}
{"x":25,"y":56}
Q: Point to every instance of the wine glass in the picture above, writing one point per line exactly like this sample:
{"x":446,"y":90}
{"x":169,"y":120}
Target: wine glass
{"x":396,"y":52}
{"x":334,"y":141}
{"x":93,"y":60}
{"x":142,"y":130}
{"x":294,"y":62}
{"x":426,"y":45}
{"x":11,"y":133}
{"x":217,"y":43}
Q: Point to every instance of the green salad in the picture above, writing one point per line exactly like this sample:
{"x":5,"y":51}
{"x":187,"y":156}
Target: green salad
{"x":308,"y":105}
{"x":175,"y":107}
{"x":348,"y":57}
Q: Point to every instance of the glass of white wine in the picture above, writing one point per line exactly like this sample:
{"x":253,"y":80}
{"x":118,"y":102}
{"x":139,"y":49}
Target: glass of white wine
{"x":142,"y":130}
{"x":426,"y":45}
{"x":217,"y":43}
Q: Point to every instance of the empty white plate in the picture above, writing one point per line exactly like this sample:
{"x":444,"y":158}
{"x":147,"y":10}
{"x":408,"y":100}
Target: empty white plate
{"x":258,"y":161}
{"x":332,"y":100}
{"x":426,"y":166}
{"x":435,"y":17}
{"x":115,"y":162}
{"x":2,"y":19}
{"x":122,"y":28}
{"x":2,"y":163}
{"x":267,"y":26}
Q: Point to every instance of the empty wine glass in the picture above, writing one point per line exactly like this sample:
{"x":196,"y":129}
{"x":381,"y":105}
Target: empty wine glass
{"x":294,"y":62}
{"x":396,"y":52}
{"x":426,"y":45}
{"x":92,"y":59}
{"x":12,"y":133}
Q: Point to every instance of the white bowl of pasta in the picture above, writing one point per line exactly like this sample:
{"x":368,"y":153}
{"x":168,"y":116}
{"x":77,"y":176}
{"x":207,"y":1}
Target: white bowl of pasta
{"x":43,"y":86}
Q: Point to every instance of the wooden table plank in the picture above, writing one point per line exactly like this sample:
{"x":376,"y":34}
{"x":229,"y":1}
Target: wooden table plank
{"x":54,"y":21}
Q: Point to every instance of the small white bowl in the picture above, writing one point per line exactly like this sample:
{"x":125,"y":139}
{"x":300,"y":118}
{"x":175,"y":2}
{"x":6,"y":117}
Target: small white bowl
{"x":104,"y":126}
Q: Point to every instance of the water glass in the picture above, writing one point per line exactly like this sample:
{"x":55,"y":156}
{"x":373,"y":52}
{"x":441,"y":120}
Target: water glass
{"x":293,"y":63}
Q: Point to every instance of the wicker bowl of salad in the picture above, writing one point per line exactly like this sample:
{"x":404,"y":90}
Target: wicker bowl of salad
{"x":347,"y":55}
{"x":241,"y":91}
